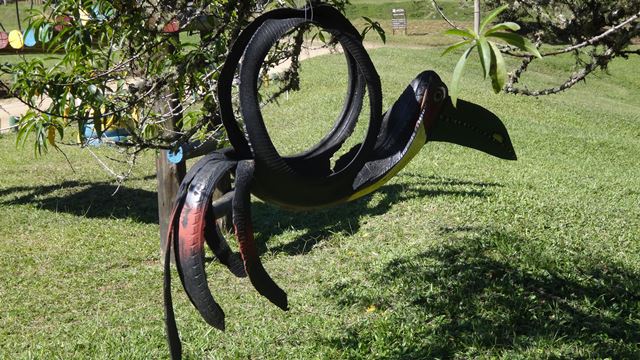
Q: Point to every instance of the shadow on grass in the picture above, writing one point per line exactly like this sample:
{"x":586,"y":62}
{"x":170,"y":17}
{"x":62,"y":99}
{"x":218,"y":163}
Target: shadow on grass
{"x":88,"y":199}
{"x":471,"y":298}
{"x":319,"y":225}
{"x":96,"y":200}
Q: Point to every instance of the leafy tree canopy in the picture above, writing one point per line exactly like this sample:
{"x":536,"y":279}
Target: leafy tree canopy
{"x":137,"y":65}
{"x":594,"y":31}
{"x":144,"y":64}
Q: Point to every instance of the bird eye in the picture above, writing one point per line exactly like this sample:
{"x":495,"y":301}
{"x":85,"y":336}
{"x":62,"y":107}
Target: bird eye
{"x":439,"y":94}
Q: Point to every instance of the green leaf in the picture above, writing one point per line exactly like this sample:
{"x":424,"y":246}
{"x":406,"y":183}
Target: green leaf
{"x":97,"y":121}
{"x":461,"y":32}
{"x":456,"y":46}
{"x":25,"y":127}
{"x":503,"y":26}
{"x":457,"y":72}
{"x":62,"y":102}
{"x":375,"y":26}
{"x":492,"y":16}
{"x":382,"y":34}
{"x":518,"y":41}
{"x":498,"y":69}
{"x":150,"y":131}
{"x":485,"y":55}
{"x":81,"y":138}
{"x":60,"y":129}
{"x":40,"y":140}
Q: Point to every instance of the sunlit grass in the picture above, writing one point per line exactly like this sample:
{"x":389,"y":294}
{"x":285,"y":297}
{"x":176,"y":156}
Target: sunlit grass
{"x":459,"y":256}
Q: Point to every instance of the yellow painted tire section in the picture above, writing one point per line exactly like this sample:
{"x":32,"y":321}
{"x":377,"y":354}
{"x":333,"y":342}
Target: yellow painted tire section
{"x":16,"y":40}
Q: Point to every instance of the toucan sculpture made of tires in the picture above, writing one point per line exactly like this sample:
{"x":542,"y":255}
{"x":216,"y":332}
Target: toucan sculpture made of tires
{"x":306,"y":181}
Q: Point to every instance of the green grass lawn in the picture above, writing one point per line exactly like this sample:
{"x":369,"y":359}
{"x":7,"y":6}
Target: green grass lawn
{"x":425,"y":27}
{"x":460,"y":256}
{"x":415,"y":9}
{"x":8,"y":17}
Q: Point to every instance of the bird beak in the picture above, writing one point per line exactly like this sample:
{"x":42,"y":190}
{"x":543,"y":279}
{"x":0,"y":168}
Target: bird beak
{"x":472,"y":126}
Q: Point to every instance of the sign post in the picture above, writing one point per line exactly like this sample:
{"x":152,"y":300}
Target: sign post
{"x":399,"y":20}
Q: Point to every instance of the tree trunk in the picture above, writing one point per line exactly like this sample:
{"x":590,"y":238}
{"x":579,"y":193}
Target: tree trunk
{"x":476,"y":16}
{"x":169,"y":175}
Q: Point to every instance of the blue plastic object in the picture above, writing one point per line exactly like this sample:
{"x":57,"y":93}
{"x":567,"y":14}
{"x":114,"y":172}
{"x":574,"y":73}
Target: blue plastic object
{"x":91,"y":135}
{"x":99,"y":15}
{"x":175,"y":157}
{"x":29,"y":38}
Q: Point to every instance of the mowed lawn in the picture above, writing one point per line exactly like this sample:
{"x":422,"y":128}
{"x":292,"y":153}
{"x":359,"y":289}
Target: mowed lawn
{"x":459,"y":256}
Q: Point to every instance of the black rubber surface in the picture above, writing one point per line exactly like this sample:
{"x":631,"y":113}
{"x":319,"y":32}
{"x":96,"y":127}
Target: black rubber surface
{"x":293,"y":181}
{"x":306,"y":180}
{"x":346,"y":121}
{"x":191,"y":240}
{"x":259,"y":277}
{"x":194,"y":285}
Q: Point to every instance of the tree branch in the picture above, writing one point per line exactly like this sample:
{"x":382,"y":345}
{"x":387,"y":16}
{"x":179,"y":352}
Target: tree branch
{"x":595,"y":39}
{"x":442,"y":15}
{"x":576,"y":77}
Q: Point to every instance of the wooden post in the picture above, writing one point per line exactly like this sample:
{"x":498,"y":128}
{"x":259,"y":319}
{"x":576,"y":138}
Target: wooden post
{"x":224,"y":186}
{"x":169,"y":177}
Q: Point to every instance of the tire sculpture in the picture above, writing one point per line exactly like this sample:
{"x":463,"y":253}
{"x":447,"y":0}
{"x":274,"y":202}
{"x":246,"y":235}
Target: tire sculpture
{"x":424,"y":112}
